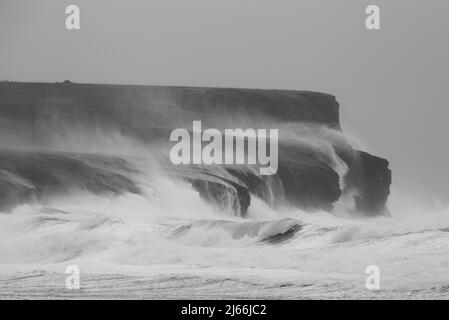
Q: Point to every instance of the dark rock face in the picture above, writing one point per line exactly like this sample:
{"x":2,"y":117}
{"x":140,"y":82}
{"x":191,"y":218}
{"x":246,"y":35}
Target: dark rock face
{"x":370,"y":177}
{"x":306,"y":178}
{"x":310,"y":186}
{"x":28,"y":177}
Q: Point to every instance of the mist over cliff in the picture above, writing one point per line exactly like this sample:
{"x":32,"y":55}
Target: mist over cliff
{"x":65,"y":136}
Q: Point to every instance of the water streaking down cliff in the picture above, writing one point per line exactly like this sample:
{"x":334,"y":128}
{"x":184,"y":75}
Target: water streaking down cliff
{"x":85,"y":179}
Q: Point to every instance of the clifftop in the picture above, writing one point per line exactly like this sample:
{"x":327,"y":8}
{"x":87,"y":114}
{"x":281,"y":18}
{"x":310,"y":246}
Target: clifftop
{"x":281,"y":105}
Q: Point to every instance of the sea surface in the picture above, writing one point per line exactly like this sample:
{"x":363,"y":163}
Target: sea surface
{"x":125,"y":248}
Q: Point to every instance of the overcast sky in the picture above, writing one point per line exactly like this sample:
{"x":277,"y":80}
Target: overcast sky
{"x":392,"y":84}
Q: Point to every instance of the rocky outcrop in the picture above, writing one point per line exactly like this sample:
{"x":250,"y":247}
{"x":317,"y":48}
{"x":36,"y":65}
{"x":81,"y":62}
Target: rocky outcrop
{"x":306,"y":179}
{"x":369,"y":180}
{"x":27,"y":177}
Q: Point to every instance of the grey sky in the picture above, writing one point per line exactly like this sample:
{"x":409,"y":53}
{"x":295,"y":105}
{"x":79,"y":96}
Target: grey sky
{"x":392,"y":84}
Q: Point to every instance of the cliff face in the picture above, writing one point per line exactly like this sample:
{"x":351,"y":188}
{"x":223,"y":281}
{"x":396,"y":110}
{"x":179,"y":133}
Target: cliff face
{"x":27,"y":177}
{"x":308,"y":176}
{"x":370,"y":178}
{"x":137,"y":108}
